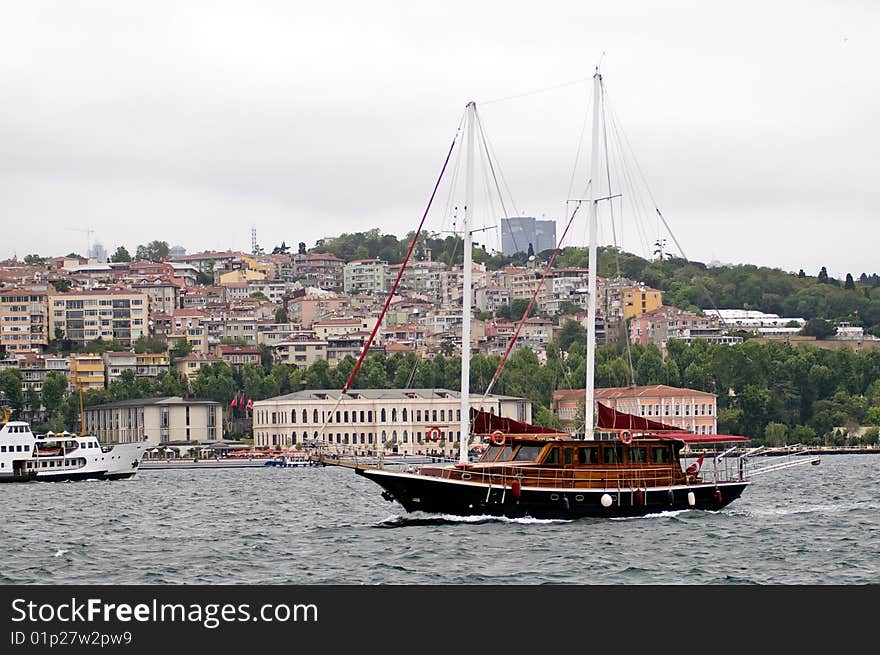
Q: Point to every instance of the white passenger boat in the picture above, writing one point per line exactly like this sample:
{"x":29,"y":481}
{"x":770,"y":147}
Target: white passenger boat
{"x":25,"y":456}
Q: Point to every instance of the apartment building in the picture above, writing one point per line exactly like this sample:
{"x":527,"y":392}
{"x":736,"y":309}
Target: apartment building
{"x":83,"y":316}
{"x":365,"y":276}
{"x":24,"y":321}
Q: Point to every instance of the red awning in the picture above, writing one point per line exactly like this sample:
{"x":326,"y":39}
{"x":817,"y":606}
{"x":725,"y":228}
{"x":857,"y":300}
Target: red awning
{"x":486,"y":423}
{"x":611,"y":419}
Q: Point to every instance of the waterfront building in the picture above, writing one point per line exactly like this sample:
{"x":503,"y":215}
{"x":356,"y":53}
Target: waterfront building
{"x":374,"y":420}
{"x":159,"y":420}
{"x":688,"y":409}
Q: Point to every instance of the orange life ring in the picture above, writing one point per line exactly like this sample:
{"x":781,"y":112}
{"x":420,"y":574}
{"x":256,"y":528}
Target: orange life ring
{"x":498,"y":438}
{"x":626,"y":437}
{"x":434,"y":434}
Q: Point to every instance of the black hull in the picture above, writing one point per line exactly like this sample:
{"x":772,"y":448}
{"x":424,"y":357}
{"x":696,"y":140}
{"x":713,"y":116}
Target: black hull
{"x":441,"y":496}
{"x":67,"y":477}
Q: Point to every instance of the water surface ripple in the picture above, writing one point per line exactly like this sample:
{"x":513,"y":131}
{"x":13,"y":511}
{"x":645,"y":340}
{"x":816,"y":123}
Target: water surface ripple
{"x":807,"y":525}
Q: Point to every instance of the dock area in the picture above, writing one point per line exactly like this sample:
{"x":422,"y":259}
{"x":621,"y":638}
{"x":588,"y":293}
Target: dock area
{"x":200,"y":464}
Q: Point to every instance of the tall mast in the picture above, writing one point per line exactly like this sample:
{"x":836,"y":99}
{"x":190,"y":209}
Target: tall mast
{"x":467,"y":292}
{"x":589,"y":402}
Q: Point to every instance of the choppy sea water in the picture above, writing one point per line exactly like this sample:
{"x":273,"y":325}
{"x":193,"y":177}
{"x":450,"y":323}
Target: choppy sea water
{"x":816,"y":525}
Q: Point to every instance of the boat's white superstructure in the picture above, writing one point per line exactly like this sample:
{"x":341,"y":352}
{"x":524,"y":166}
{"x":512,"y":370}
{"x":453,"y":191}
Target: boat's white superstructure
{"x":25,"y":456}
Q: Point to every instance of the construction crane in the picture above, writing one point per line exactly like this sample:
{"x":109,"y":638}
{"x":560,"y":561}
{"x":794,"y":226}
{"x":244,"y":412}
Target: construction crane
{"x":89,"y":232}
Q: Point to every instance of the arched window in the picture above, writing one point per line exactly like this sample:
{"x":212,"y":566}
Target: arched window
{"x":382,"y":415}
{"x":293,"y":416}
{"x":403,"y":414}
{"x":405,"y":437}
{"x":305,"y":416}
{"x":314,"y":415}
{"x":393,"y":414}
{"x":383,"y":436}
{"x":442,"y":414}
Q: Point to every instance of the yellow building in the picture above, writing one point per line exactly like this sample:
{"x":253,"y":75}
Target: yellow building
{"x":86,"y":372}
{"x":638,"y":300}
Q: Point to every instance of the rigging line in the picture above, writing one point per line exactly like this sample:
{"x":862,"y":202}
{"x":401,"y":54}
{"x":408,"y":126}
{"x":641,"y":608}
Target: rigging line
{"x":531,"y":304}
{"x":490,"y":157}
{"x":629,"y":181}
{"x":402,"y":267}
{"x":537,"y":91}
{"x":607,"y":158}
{"x":648,"y":189}
{"x":577,"y":154}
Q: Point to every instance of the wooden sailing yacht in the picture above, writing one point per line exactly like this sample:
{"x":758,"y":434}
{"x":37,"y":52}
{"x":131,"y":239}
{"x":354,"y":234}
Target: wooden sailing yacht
{"x":623,"y":465}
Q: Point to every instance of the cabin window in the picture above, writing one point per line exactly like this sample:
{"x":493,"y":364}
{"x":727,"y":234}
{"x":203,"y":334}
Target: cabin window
{"x":553,"y":456}
{"x":588,"y":455}
{"x":638,"y":455}
{"x":497,"y":454}
{"x":613,"y":454}
{"x":660,"y":455}
{"x":527,"y":453}
{"x":568,"y":456}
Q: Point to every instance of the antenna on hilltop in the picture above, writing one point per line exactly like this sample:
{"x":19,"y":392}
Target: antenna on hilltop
{"x":253,"y":240}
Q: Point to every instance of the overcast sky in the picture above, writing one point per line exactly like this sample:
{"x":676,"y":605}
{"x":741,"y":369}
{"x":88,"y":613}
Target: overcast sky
{"x":755,"y":124}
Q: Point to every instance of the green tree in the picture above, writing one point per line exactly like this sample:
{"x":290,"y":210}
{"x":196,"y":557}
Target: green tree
{"x":54,"y":390}
{"x":34,"y":260}
{"x":154,"y":251}
{"x":571,"y":331}
{"x":145,"y":344}
{"x":775,"y":433}
{"x":819,"y":328}
{"x":10,"y":385}
{"x":121,"y":255}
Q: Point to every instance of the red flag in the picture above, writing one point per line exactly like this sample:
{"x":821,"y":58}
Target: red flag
{"x":250,"y":405}
{"x":234,"y":401}
{"x":694,"y":468}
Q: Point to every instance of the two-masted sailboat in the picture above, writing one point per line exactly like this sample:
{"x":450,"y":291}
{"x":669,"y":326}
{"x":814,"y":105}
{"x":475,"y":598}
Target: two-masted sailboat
{"x":622,"y":465}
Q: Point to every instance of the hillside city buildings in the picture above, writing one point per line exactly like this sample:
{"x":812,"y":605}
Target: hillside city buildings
{"x":303,"y":308}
